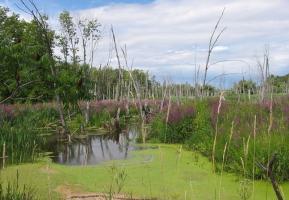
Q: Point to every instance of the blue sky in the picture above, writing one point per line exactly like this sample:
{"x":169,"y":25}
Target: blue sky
{"x":57,"y":5}
{"x":168,"y":37}
{"x":84,"y":4}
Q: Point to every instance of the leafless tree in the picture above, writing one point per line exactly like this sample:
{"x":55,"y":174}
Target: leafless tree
{"x":264,"y":70}
{"x":212,"y":43}
{"x":119,"y":88}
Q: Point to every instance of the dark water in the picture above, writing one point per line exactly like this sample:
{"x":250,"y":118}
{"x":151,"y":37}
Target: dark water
{"x":95,"y":149}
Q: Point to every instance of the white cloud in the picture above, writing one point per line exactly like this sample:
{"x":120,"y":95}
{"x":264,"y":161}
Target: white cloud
{"x":220,"y":48}
{"x":166,"y":36}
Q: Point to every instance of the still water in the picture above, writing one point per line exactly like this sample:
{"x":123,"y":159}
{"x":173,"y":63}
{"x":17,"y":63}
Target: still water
{"x":95,"y":149}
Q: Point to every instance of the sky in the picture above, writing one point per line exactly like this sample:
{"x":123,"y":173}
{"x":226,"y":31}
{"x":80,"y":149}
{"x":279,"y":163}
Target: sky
{"x":168,"y":37}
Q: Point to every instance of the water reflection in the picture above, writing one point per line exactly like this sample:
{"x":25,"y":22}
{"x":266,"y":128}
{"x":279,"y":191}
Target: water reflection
{"x":96,"y":149}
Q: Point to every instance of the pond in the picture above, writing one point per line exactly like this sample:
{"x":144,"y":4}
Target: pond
{"x":95,"y":149}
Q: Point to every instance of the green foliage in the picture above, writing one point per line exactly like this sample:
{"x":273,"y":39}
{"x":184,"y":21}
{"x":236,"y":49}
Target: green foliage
{"x":197,"y":133}
{"x":170,"y":133}
{"x":158,"y":129}
{"x":98,"y":119}
{"x":179,"y":132}
{"x":201,"y":139}
{"x":244,"y":86}
{"x":174,"y":126}
{"x":22,"y":68}
{"x":242,"y":145}
{"x":279,"y":83}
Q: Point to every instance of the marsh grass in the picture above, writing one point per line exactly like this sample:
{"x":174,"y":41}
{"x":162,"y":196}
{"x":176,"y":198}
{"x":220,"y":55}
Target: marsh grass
{"x":208,"y":131}
{"x":13,"y":191}
{"x":117,"y":182}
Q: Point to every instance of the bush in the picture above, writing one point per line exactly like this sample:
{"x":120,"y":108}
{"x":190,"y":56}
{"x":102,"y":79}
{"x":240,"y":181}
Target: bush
{"x":179,"y":127}
{"x":201,"y":138}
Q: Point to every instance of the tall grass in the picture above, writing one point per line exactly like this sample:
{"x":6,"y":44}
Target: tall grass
{"x":13,"y":191}
{"x":246,"y":147}
{"x":23,"y":135}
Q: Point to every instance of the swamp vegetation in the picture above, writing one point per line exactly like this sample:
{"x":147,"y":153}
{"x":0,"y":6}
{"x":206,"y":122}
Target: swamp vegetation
{"x":69,"y":129}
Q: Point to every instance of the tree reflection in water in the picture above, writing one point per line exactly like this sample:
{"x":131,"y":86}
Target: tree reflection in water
{"x":96,"y":149}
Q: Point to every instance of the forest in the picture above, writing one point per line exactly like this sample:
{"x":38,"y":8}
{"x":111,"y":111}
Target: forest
{"x":71,"y":129}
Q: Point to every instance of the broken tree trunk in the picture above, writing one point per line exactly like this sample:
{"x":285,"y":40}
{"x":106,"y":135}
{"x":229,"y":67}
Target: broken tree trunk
{"x":270,"y":173}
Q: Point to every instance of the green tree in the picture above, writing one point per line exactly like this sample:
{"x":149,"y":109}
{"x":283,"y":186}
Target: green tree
{"x":69,"y":36}
{"x":245,"y":86}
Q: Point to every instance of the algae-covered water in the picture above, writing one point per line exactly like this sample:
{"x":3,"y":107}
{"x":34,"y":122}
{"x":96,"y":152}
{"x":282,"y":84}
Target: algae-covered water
{"x":163,"y":172}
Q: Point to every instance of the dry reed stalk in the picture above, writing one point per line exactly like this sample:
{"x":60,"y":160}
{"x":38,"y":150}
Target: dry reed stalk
{"x":164,"y":96}
{"x":247,"y":148}
{"x":224,"y":157}
{"x":254,"y":155}
{"x":269,"y":138}
{"x":243,"y":166}
{"x":221,"y":98}
{"x":168,"y":111}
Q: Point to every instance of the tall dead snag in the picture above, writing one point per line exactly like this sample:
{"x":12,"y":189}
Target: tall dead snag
{"x":164,"y":96}
{"x":212,"y":43}
{"x":270,"y":173}
{"x":138,"y":95}
{"x":40,"y":19}
{"x":168,"y":113}
{"x":264,"y":68}
{"x":119,"y":85}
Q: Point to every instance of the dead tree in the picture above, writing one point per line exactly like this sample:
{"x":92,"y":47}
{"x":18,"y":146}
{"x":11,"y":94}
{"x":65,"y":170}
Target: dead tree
{"x":119,"y":88}
{"x":164,"y":96}
{"x":264,"y":68}
{"x":212,"y":43}
{"x":138,"y":95}
{"x":270,"y":173}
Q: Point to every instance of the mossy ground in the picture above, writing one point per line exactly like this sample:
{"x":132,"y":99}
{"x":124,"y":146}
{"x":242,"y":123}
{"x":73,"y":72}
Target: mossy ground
{"x":165,"y":172}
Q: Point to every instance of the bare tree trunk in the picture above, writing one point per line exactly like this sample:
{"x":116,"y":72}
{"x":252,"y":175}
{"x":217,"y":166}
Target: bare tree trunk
{"x":212,"y":43}
{"x":164,"y":96}
{"x":119,"y":66}
{"x":61,"y":113}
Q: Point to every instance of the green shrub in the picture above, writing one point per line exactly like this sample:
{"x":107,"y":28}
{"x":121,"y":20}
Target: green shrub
{"x":201,"y":137}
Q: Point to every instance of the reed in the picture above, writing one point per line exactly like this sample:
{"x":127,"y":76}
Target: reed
{"x":254,"y":156}
{"x":224,"y":157}
{"x":221,"y":98}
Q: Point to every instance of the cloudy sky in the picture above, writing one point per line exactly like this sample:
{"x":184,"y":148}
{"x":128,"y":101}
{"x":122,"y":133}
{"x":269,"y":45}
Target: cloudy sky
{"x":167,"y":37}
